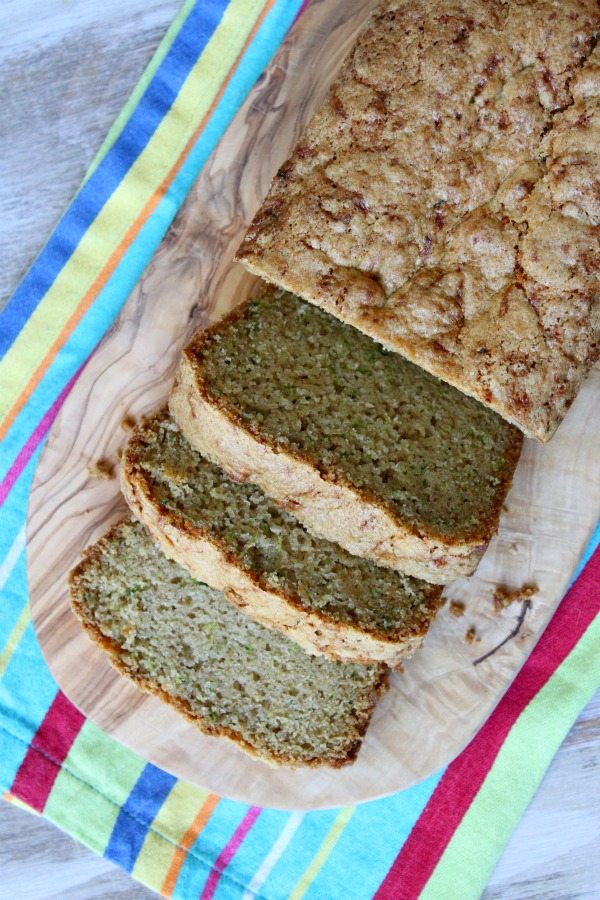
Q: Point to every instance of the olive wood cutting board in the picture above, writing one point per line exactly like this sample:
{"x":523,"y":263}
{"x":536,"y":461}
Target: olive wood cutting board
{"x":444,"y":694}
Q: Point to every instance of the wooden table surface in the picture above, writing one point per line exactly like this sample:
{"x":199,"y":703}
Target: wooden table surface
{"x":66,"y":68}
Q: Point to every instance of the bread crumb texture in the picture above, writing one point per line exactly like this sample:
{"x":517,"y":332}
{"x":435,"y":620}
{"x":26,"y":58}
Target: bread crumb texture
{"x":319,"y":389}
{"x":457,"y":608}
{"x":504,"y":596}
{"x":471,"y":635}
{"x":445,"y":198}
{"x":270,"y":545}
{"x":102,"y":469}
{"x":183,"y":640}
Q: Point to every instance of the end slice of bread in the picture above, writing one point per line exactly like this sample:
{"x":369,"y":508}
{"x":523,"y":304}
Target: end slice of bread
{"x":183,"y":641}
{"x":234,"y":538}
{"x":363,"y":447}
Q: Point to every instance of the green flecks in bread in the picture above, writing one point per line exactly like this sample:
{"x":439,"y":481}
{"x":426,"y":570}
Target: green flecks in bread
{"x":177,"y":637}
{"x":311,"y":385}
{"x":269,"y":544}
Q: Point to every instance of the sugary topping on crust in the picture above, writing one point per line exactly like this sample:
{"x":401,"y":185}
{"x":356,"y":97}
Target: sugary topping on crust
{"x":446,"y":198}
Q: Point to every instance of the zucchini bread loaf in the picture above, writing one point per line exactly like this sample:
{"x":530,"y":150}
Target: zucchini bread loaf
{"x":445,"y":198}
{"x":363,"y":447}
{"x":183,"y":641}
{"x":232,"y":537}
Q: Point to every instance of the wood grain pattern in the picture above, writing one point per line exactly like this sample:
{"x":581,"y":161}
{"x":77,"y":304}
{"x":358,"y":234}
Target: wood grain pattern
{"x":441,"y":698}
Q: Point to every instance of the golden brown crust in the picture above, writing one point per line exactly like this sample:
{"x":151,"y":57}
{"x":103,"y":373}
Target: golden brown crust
{"x":444,"y":199}
{"x":208,"y":560}
{"x":114,"y":654}
{"x":324,"y":501}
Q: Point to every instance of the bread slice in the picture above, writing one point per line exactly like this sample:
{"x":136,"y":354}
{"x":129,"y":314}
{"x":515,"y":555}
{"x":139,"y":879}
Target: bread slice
{"x":363,"y":447}
{"x":232,"y":537}
{"x":183,"y":641}
{"x":444,"y":199}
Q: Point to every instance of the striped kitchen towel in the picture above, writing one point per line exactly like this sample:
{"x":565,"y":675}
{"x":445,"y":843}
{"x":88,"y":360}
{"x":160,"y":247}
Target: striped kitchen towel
{"x":441,"y":838}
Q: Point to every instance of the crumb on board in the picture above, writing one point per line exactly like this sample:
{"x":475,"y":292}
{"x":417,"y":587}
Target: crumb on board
{"x":457,"y":608}
{"x":128,"y":423}
{"x":101,"y":469}
{"x":504,"y":596}
{"x":471,"y":635}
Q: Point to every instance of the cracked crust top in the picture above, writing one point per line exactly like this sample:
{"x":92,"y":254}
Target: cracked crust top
{"x":445,"y":198}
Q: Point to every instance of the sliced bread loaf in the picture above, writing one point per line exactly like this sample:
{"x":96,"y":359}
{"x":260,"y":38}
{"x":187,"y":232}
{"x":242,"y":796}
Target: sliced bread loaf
{"x":234,"y":538}
{"x":183,"y":641}
{"x":363,"y":447}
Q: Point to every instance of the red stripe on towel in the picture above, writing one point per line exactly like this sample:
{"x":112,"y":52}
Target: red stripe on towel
{"x":463,"y":778}
{"x":49,"y":747}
